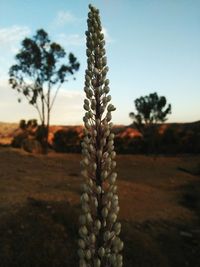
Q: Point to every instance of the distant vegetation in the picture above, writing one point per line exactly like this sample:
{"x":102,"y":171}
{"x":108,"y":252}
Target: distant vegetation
{"x":38,"y":70}
{"x":173,"y":138}
{"x":67,"y":141}
{"x":151,"y":110}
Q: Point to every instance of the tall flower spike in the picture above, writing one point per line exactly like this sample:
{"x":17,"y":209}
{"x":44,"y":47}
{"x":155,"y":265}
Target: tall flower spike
{"x":99,"y":243}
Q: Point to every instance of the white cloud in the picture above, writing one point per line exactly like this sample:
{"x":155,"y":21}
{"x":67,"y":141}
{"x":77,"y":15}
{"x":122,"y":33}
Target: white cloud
{"x":11,"y":37}
{"x":63,"y":18}
{"x":71,"y":39}
{"x":68,"y":107}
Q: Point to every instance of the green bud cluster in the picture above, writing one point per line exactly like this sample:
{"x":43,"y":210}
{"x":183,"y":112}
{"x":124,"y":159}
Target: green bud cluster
{"x":99,"y":243}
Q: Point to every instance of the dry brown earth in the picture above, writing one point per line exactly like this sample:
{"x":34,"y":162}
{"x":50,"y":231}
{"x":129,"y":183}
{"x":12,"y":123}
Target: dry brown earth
{"x":39,"y":207}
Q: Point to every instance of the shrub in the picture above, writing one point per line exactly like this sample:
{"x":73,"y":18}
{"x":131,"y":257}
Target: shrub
{"x":66,"y":141}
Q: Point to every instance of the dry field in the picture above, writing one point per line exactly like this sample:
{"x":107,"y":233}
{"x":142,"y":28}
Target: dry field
{"x":39,"y":207}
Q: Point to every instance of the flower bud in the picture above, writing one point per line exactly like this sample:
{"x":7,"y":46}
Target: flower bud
{"x":105,"y":70}
{"x":83,"y":231}
{"x":89,"y":217}
{"x":108,"y":98}
{"x":81,"y":253}
{"x":117,"y":228}
{"x":98,"y":189}
{"x":90,"y":114}
{"x":91,"y":148}
{"x":116,"y":209}
{"x":113,"y":164}
{"x":113,"y":188}
{"x":85,"y":119}
{"x":113,"y":259}
{"x":97,"y":262}
{"x":86,"y":89}
{"x":95,"y":202}
{"x":86,"y":107}
{"x":101,"y":36}
{"x":119,"y":258}
{"x":112,"y":217}
{"x":90,"y":182}
{"x":97,"y":224}
{"x":110,"y":194}
{"x":82,"y":263}
{"x":87,"y":77}
{"x":103,"y":142}
{"x":107,"y":236}
{"x":104,"y":175}
{"x":115,"y":197}
{"x":84,"y":150}
{"x":109,"y":116}
{"x":84,"y":197}
{"x":107,"y":82}
{"x":96,"y":71}
{"x":86,"y":102}
{"x":120,"y":245}
{"x":85,"y":207}
{"x":93,"y":104}
{"x":81,"y":243}
{"x":101,"y":252}
{"x":84,"y":173}
{"x":102,"y":109}
{"x":104,"y":61}
{"x":85,"y":161}
{"x":87,"y":125}
{"x":92,"y":238}
{"x":106,"y":89}
{"x":111,"y":108}
{"x":102,"y":44}
{"x":94,"y":166}
{"x":111,"y":136}
{"x":88,"y":254}
{"x":106,"y":133}
{"x":108,"y":161}
{"x":82,"y":219}
{"x":90,"y":93}
{"x":95,"y":133}
{"x":94,"y":82}
{"x":84,"y":186}
{"x":112,"y":179}
{"x":99,"y":154}
{"x":113,"y":154}
{"x":110,"y":125}
{"x":104,"y":212}
{"x":108,"y":204}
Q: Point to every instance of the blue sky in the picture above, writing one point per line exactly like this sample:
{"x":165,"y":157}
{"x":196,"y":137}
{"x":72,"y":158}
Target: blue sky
{"x":151,"y":46}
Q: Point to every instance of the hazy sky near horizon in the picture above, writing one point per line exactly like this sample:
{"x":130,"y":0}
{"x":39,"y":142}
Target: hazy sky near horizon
{"x":152,"y":46}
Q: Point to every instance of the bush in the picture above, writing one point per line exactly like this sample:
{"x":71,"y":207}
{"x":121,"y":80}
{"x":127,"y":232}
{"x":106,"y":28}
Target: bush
{"x":66,"y":141}
{"x":128,"y":145}
{"x":19,"y":138}
{"x":26,"y":136}
{"x":170,"y":141}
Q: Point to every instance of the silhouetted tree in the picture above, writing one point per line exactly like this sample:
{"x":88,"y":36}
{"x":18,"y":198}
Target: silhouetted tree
{"x":151,"y":110}
{"x":39,"y":69}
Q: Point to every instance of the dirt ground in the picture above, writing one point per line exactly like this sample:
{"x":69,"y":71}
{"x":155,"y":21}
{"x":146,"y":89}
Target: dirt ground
{"x":39,"y":207}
